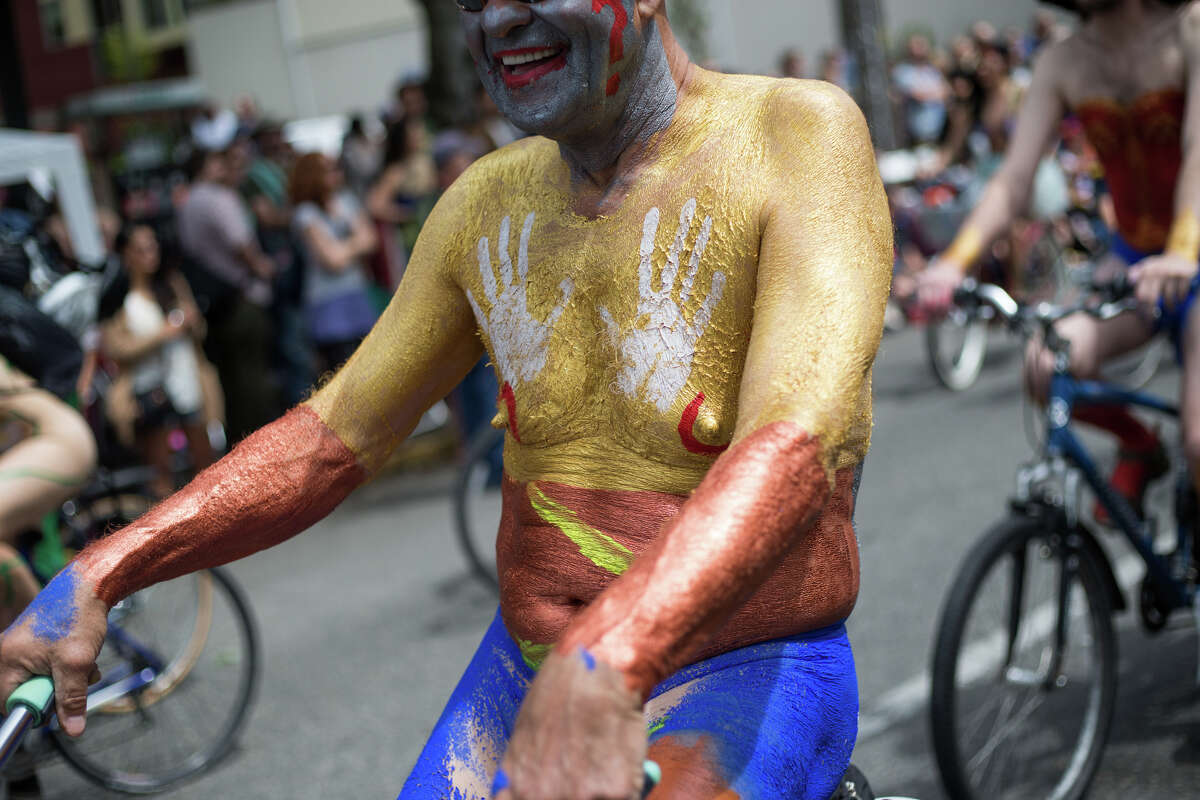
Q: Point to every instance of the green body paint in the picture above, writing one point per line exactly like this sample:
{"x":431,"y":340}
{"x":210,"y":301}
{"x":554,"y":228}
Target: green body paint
{"x":657,"y":726}
{"x":598,"y":547}
{"x":534,"y":654}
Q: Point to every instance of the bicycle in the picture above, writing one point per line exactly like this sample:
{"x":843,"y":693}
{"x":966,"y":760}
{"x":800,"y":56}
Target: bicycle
{"x":957,"y":343}
{"x":179,"y":661}
{"x":1025,"y":659}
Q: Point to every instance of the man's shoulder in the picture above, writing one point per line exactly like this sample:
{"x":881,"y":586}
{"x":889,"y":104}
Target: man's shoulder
{"x":802,"y":113}
{"x":783,"y":100}
{"x":533,"y":153}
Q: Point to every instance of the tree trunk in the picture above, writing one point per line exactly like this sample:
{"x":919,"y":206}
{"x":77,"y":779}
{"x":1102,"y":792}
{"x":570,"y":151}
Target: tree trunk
{"x":862,"y":31}
{"x":452,"y":78}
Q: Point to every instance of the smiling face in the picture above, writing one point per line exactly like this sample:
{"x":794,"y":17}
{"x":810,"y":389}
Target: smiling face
{"x":559,"y":68}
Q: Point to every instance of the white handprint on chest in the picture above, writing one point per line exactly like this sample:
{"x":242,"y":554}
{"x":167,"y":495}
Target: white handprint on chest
{"x":657,"y":355}
{"x":520,"y":343}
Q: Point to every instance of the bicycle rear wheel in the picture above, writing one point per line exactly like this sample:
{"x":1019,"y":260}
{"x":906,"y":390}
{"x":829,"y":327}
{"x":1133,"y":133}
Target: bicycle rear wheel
{"x":477,"y":502}
{"x":1024,"y":669}
{"x":957,"y":345}
{"x":197,"y":635}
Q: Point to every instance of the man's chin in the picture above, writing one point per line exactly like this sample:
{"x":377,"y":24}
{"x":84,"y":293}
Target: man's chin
{"x":549,"y":119}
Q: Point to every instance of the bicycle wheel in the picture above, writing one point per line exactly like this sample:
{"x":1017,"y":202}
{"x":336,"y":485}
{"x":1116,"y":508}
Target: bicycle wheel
{"x":957,"y":345}
{"x":1024,"y":669}
{"x":477,"y":502}
{"x":197,"y":635}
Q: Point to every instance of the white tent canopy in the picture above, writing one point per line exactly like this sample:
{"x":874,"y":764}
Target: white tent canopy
{"x":25,"y":155}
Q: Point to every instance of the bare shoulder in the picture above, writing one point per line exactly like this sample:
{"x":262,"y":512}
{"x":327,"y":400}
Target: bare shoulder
{"x":521,"y":158}
{"x":813,"y":105}
{"x":806,"y":119}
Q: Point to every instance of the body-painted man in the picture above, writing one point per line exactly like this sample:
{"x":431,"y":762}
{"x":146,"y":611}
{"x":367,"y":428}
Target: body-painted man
{"x":1128,"y":74}
{"x":682,"y":290}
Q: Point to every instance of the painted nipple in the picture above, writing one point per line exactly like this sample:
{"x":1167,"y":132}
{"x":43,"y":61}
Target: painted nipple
{"x":708,"y":428}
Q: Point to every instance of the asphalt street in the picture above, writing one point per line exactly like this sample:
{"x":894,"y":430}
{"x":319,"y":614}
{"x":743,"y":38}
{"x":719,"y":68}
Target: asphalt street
{"x":368,"y":619}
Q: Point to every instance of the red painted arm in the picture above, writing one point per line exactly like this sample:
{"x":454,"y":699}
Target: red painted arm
{"x":274,"y":485}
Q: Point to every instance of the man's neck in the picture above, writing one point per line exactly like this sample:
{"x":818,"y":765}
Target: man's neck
{"x":604,"y":160}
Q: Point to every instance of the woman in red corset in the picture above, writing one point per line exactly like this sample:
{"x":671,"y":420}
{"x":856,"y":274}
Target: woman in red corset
{"x":1127,"y":74}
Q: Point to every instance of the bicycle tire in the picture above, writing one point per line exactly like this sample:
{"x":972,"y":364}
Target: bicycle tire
{"x":958,"y":365}
{"x":163,"y":692}
{"x":1003,"y":540}
{"x":471,"y":478}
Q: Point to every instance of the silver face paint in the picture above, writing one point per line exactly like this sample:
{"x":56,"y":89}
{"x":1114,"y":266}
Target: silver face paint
{"x":563,"y":92}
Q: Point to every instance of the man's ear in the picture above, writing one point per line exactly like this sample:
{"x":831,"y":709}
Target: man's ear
{"x":648,"y":8}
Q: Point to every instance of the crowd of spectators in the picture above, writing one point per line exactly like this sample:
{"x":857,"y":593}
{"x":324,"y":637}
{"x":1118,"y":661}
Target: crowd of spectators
{"x":270,"y":269}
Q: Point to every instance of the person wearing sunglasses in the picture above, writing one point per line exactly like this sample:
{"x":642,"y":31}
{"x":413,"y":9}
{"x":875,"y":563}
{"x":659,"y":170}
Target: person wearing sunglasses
{"x":680,"y":279}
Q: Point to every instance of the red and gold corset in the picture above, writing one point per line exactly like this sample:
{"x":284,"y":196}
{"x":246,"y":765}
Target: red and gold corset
{"x":1141,"y":148}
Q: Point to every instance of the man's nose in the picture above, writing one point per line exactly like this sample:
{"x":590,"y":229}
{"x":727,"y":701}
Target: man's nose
{"x":501,"y":17}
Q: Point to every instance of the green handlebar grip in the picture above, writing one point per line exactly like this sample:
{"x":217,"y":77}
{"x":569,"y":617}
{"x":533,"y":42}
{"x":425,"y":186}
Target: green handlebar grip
{"x":653,"y":775}
{"x":36,"y":694}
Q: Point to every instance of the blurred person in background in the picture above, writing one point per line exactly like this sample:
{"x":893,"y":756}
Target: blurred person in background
{"x":411,"y":106}
{"x":265,"y":189}
{"x":964,"y":55}
{"x":491,"y":126}
{"x":408,"y":175}
{"x":335,"y":237}
{"x":792,"y":64}
{"x":833,"y":69}
{"x":923,"y":92}
{"x":233,"y":276}
{"x":1144,"y":130}
{"x":361,"y":158}
{"x":164,"y":381}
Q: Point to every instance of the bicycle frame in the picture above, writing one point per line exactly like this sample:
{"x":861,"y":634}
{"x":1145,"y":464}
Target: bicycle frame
{"x":1067,"y":392}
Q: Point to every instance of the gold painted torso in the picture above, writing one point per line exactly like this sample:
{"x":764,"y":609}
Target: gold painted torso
{"x":619,"y":340}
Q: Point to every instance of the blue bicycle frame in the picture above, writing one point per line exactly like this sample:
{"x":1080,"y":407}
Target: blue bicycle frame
{"x":1067,"y":392}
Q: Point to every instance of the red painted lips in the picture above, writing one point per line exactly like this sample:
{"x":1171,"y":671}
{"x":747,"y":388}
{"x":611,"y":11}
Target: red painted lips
{"x":535,"y":62}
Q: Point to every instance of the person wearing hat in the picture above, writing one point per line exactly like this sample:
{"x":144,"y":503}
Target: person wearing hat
{"x":1127,"y":74}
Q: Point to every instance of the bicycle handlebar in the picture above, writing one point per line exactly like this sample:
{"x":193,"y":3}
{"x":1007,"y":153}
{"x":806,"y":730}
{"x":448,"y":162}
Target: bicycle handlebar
{"x":1117,"y":301}
{"x":27,"y":707}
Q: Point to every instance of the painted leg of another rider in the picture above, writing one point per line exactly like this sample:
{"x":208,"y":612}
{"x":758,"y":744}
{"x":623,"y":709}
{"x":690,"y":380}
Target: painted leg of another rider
{"x":773,"y":720}
{"x":36,"y":474}
{"x":1093,"y":343}
{"x":462,"y":755}
{"x":45,"y":468}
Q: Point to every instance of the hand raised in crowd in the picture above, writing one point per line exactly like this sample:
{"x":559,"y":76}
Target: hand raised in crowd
{"x":1166,"y":277}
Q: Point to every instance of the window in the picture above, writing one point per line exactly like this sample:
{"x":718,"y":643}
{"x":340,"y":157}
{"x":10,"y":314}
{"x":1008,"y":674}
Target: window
{"x":106,"y":13}
{"x":156,"y":14}
{"x":54,"y":26}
